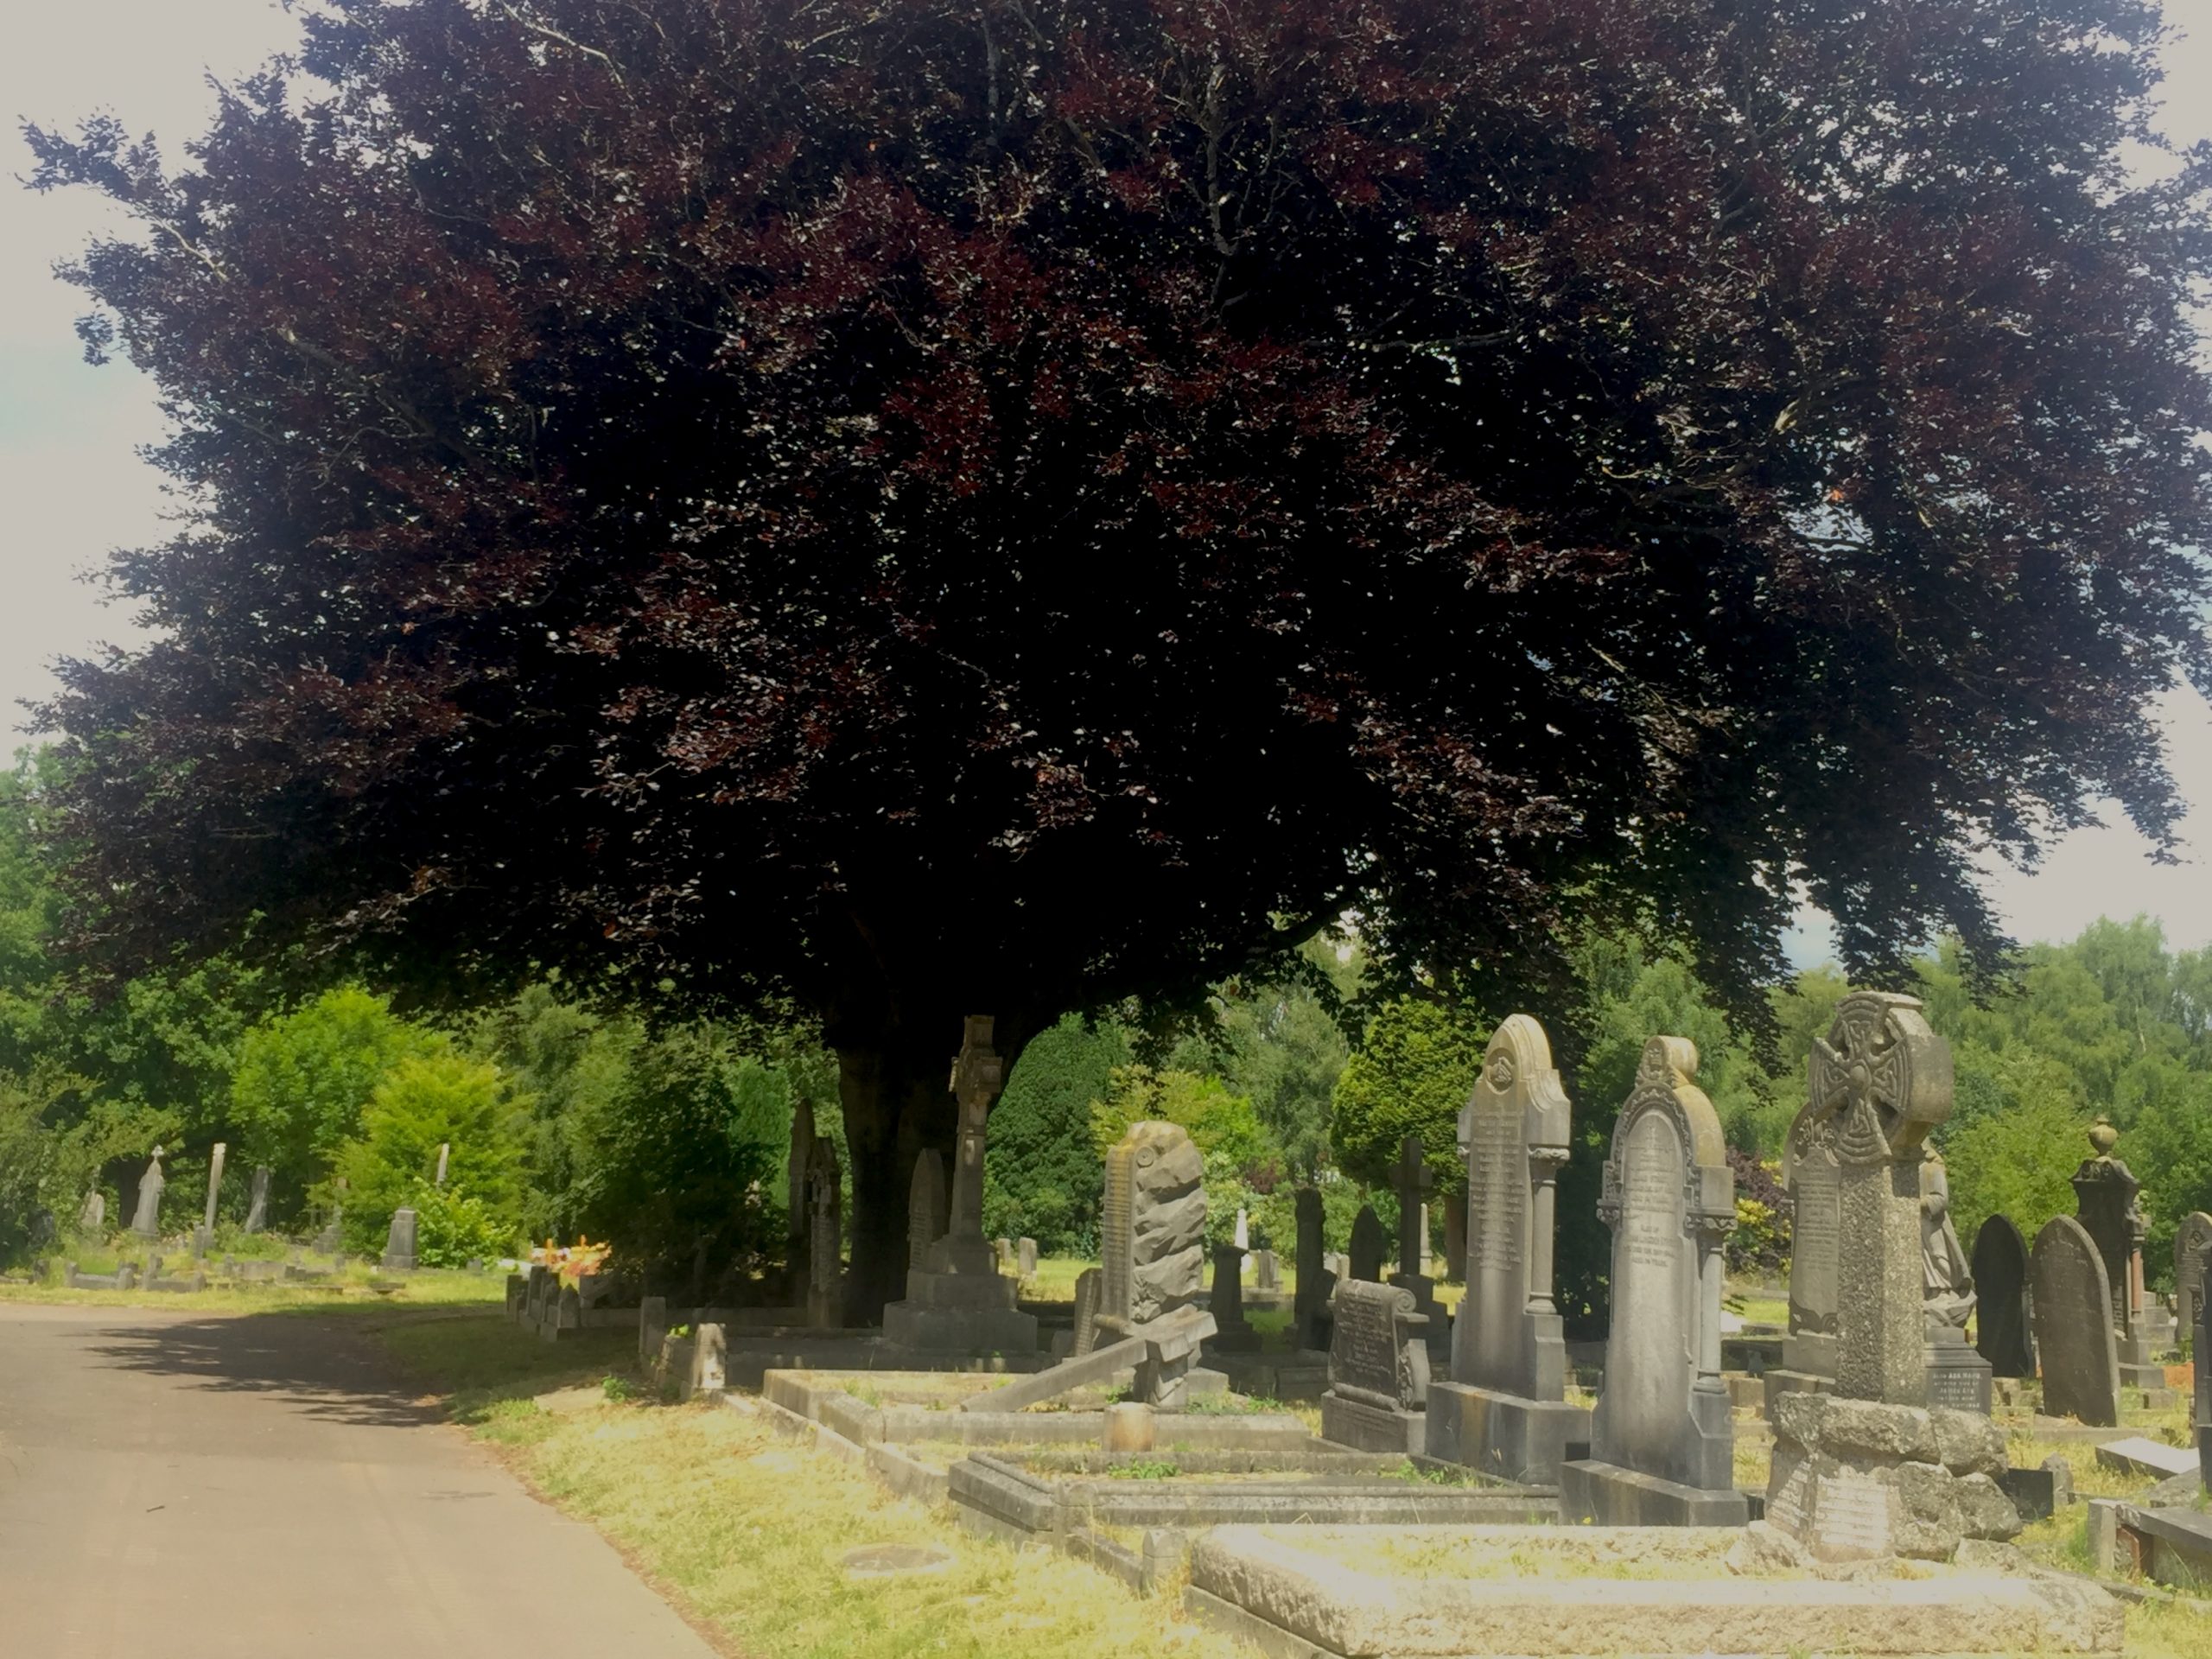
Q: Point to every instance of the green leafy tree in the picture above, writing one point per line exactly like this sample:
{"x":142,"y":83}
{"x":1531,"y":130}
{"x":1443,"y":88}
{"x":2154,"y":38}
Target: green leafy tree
{"x":305,"y":1078}
{"x":452,"y":1225}
{"x":423,"y":1102}
{"x":1044,"y":1176}
{"x":1412,"y":1072}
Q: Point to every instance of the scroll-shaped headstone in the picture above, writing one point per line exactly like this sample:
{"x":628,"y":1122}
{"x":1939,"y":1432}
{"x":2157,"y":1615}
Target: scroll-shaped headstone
{"x":1367,"y":1245}
{"x":2001,"y":1319}
{"x":1880,"y":1081}
{"x":2192,"y":1268}
{"x":1153,"y":1224}
{"x":925,"y":1202}
{"x":1662,"y":1447}
{"x":1514,"y":1132}
{"x":1377,"y":1399}
{"x":2074,"y":1342}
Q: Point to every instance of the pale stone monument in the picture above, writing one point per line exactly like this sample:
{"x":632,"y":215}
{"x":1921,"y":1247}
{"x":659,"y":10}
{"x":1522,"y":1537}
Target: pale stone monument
{"x":925,"y":1217}
{"x":1310,"y":1300}
{"x":332,"y":1238}
{"x":1504,"y":1411}
{"x":825,"y":1284}
{"x":1152,"y":1228}
{"x":1242,"y":1236}
{"x":1661,"y":1446}
{"x":91,"y":1220}
{"x":2001,"y":1318}
{"x":204,"y":1240}
{"x":2107,"y":1204}
{"x":445,"y":1152}
{"x":1367,"y":1246}
{"x":147,"y":1223}
{"x":1025,"y":1256}
{"x":958,"y":1299}
{"x":1266,"y":1272}
{"x":1087,"y":1285}
{"x":2192,"y":1258}
{"x":2075,"y":1343}
{"x":399,"y":1242}
{"x":1958,"y":1376}
{"x":1377,"y":1399}
{"x":1233,"y":1332}
{"x":256,"y":1212}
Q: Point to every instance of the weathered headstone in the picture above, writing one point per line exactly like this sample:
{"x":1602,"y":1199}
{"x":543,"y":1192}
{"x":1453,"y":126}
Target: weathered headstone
{"x":1339,"y":1262}
{"x":957,"y":1299}
{"x":1152,"y":1224}
{"x":1814,"y":1182}
{"x":399,"y":1242}
{"x":1025,"y":1256}
{"x":256,"y":1212}
{"x":2107,"y":1204}
{"x":1002,"y":1250}
{"x":825,"y":1285}
{"x":91,"y":1220}
{"x":1410,"y":1180}
{"x":924,"y":1207}
{"x":1233,"y":1333}
{"x":204,"y":1240}
{"x":1087,"y":1285}
{"x":1661,"y":1445}
{"x":333,"y":1235}
{"x":2192,"y":1266}
{"x":147,"y":1223}
{"x":1377,"y":1399}
{"x":1504,"y":1411}
{"x":800,"y":1154}
{"x":2075,"y":1341}
{"x":2001,"y":1318}
{"x":2201,"y":1336}
{"x":1958,"y":1376}
{"x":1242,"y":1236}
{"x":1367,"y":1246}
{"x":1266,"y":1272}
{"x":1310,"y":1302}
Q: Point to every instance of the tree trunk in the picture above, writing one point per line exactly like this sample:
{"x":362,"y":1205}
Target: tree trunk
{"x":895,"y":1104}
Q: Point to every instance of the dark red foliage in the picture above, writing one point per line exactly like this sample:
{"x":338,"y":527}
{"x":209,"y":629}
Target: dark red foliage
{"x":958,"y":504}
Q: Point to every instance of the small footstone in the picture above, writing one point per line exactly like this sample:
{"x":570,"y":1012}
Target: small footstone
{"x":889,"y":1560}
{"x":1131,"y":1426}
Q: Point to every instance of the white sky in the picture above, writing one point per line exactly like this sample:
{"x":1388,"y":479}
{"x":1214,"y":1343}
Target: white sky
{"x":72,"y":487}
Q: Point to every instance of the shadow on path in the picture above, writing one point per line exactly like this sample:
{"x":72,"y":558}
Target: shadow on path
{"x":321,"y":1368}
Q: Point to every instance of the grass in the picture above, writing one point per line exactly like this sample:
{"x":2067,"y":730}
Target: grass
{"x":744,"y":1531}
{"x":431,"y":1287}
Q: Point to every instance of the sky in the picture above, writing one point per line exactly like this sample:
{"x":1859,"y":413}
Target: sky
{"x":73,"y":486}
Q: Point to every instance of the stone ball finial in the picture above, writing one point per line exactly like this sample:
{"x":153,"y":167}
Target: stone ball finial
{"x":2103,"y":1136}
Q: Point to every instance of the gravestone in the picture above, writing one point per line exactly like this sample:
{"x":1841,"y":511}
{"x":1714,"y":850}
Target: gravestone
{"x":1310,"y":1302}
{"x":1661,"y":1445}
{"x":2002,"y":1322}
{"x":204,"y":1240}
{"x":799,"y":1155}
{"x":333,"y":1235}
{"x":2192,"y":1257}
{"x":1153,"y":1224}
{"x":1958,"y":1376}
{"x":1088,"y":1285}
{"x":1025,"y":1256}
{"x":2075,"y":1341}
{"x":1377,"y":1399}
{"x":1814,"y":1180}
{"x":256,"y":1212}
{"x":2201,"y":1336}
{"x":445,"y":1152}
{"x":1002,"y":1250}
{"x":1427,"y":1262}
{"x":147,"y":1223}
{"x":1233,"y":1333}
{"x":1365,"y":1256}
{"x":399,"y":1242}
{"x":2107,"y":1204}
{"x":925,"y":1206}
{"x":1338,"y":1264}
{"x":91,"y":1220}
{"x":1504,"y":1410}
{"x":825,"y":1268}
{"x":1410,"y":1180}
{"x":1266,"y":1272}
{"x":1242,"y":1236}
{"x":957,"y":1299}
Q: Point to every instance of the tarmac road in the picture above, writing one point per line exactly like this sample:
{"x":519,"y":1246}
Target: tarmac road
{"x":176,"y":1486}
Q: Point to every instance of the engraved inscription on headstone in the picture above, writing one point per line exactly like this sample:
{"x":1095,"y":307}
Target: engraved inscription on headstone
{"x":2073,"y":1325}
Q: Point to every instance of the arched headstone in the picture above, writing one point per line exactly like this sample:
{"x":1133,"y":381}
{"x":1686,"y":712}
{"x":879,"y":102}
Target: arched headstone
{"x":2002,"y":1333}
{"x":2075,"y":1339}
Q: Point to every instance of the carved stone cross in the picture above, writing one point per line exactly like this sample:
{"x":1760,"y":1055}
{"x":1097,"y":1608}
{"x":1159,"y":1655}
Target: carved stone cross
{"x":1410,"y":1180}
{"x":978,"y":1074}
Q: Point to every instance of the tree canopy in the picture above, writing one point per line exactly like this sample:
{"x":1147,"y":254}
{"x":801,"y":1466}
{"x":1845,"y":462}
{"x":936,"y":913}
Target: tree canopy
{"x":988,"y":506}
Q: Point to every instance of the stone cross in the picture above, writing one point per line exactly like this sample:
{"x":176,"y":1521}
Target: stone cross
{"x":1513,"y":1133}
{"x":924,"y":1207}
{"x":1669,"y":1197}
{"x":147,"y":1224}
{"x":1410,"y":1180}
{"x":978,"y":1075}
{"x":1880,"y":1081}
{"x":445,"y":1151}
{"x":257,"y":1213}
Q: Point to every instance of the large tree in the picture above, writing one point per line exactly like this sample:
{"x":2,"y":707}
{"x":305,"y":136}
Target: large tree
{"x":987,"y":505}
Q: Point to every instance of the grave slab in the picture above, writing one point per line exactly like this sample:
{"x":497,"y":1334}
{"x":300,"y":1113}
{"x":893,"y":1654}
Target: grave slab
{"x":2138,"y":1456}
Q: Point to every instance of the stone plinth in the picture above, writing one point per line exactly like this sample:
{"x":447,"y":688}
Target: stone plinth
{"x":1378,"y":1371}
{"x":1506,"y":1435}
{"x":1610,"y":1496}
{"x":972,"y":1312}
{"x":1863,"y":1479}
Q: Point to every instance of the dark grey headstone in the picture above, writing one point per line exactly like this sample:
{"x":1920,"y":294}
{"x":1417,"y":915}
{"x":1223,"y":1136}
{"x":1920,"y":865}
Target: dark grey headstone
{"x":1378,"y":1353}
{"x":1368,"y":1244}
{"x":924,"y":1207}
{"x":2109,"y":1204}
{"x":2002,"y":1334}
{"x":2073,"y":1325}
{"x":1310,"y":1305}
